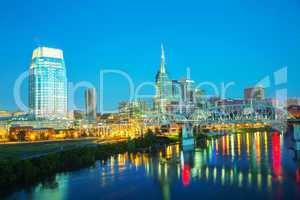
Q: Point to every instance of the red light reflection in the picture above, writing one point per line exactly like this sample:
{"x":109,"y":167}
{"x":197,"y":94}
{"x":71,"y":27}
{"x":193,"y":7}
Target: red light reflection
{"x":186,"y":171}
{"x":276,"y":154}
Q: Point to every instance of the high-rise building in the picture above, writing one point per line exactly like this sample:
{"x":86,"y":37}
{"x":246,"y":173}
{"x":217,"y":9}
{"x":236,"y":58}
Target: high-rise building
{"x":132,"y":109}
{"x":293,"y":101}
{"x":187,"y":91}
{"x":254,"y":93}
{"x":48,"y":84}
{"x":163,"y":86}
{"x":90,"y":104}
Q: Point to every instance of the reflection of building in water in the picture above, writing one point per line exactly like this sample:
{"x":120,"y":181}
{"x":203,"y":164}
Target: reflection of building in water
{"x":158,"y":167}
{"x":165,"y":168}
{"x":249,"y":159}
{"x":250,"y":150}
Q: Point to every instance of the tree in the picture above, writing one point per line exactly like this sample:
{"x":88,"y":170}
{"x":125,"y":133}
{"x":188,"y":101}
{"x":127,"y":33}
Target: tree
{"x":21,"y":136}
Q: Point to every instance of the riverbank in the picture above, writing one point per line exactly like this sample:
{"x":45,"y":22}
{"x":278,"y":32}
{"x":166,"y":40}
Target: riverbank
{"x":25,"y":150}
{"x":16,"y":173}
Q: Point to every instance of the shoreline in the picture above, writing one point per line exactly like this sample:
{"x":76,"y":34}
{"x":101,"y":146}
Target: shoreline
{"x":19,"y":174}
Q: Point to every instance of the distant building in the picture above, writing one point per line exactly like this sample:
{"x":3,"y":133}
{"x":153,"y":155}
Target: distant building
{"x":28,"y":133}
{"x":294,"y":111}
{"x":176,"y":90}
{"x":293,"y":102}
{"x":213,"y":101}
{"x":132,"y":108}
{"x":19,"y":113}
{"x":78,"y":114}
{"x":90,"y":104}
{"x":272,"y":101}
{"x":187,"y":91}
{"x":254,"y":93}
{"x":70,"y":115}
{"x":172,"y":94}
{"x":200,"y":101}
{"x":5,"y":114}
{"x":48,"y":84}
{"x":230,"y":102}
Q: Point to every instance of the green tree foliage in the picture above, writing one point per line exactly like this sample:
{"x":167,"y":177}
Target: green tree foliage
{"x":16,"y":172}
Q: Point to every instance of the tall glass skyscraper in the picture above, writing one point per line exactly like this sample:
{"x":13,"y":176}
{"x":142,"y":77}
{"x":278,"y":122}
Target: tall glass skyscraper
{"x":48,"y":84}
{"x":90,"y":104}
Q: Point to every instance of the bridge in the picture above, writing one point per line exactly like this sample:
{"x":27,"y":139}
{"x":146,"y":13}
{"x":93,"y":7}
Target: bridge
{"x":190,"y":116}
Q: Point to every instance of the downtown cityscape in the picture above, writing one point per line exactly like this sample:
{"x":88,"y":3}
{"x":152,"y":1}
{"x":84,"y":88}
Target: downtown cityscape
{"x":95,"y":132}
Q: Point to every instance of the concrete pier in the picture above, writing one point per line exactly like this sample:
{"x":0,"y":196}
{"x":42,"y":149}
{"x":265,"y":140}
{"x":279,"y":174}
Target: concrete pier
{"x":188,"y":141}
{"x":296,"y":134}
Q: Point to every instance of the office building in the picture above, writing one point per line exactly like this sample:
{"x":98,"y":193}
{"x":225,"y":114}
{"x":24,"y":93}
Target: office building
{"x":48,"y":84}
{"x":163,"y":86}
{"x":254,"y":93}
{"x":90,"y":104}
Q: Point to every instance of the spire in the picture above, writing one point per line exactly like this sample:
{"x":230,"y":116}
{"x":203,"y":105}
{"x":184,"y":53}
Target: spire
{"x":162,"y":63}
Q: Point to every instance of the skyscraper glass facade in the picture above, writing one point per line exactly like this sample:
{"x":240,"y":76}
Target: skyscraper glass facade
{"x":90,"y":104}
{"x":48,"y":84}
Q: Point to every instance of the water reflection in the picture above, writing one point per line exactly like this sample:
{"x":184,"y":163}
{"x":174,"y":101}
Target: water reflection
{"x":259,"y":162}
{"x":252,"y":160}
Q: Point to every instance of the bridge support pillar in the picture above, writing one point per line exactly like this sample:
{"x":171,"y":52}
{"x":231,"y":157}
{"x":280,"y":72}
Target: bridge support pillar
{"x":296,"y":135}
{"x":188,"y":141}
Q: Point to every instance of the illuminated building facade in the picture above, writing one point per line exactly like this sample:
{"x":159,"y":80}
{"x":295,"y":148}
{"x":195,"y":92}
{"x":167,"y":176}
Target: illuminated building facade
{"x":132,"y":109}
{"x":171,"y":94}
{"x":163,"y":86}
{"x":48,"y":84}
{"x":187,"y":91}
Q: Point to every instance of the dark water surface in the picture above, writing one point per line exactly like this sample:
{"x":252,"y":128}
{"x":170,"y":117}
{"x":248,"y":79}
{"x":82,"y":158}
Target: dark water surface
{"x":250,"y":166}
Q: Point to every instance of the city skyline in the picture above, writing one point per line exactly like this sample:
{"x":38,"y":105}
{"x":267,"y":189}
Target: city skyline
{"x":150,"y":99}
{"x":262,"y":47}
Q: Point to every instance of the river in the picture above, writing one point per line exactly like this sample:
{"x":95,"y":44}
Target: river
{"x":256,"y":165}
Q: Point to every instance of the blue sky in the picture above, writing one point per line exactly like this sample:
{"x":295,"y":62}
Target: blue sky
{"x":220,"y":41}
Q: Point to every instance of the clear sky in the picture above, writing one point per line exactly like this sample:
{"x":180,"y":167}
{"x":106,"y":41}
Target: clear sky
{"x":221,"y":41}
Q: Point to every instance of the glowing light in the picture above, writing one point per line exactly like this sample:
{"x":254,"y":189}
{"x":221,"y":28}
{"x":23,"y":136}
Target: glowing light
{"x":223,"y":146}
{"x":223,"y":176}
{"x":178,"y":171}
{"x":227,"y":145}
{"x":249,"y":178}
{"x":239,"y":144}
{"x":240,"y":179}
{"x":258,"y":151}
{"x":207,"y":172}
{"x":247,"y":144}
{"x":276,"y":154}
{"x":217,"y":146}
{"x":259,"y":183}
{"x":215,"y":174}
{"x":231,"y":176}
{"x":159,"y":170}
{"x":232,"y":145}
{"x":269,"y":182}
{"x":186,"y":175}
{"x":266,"y":143}
{"x":166,"y":170}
